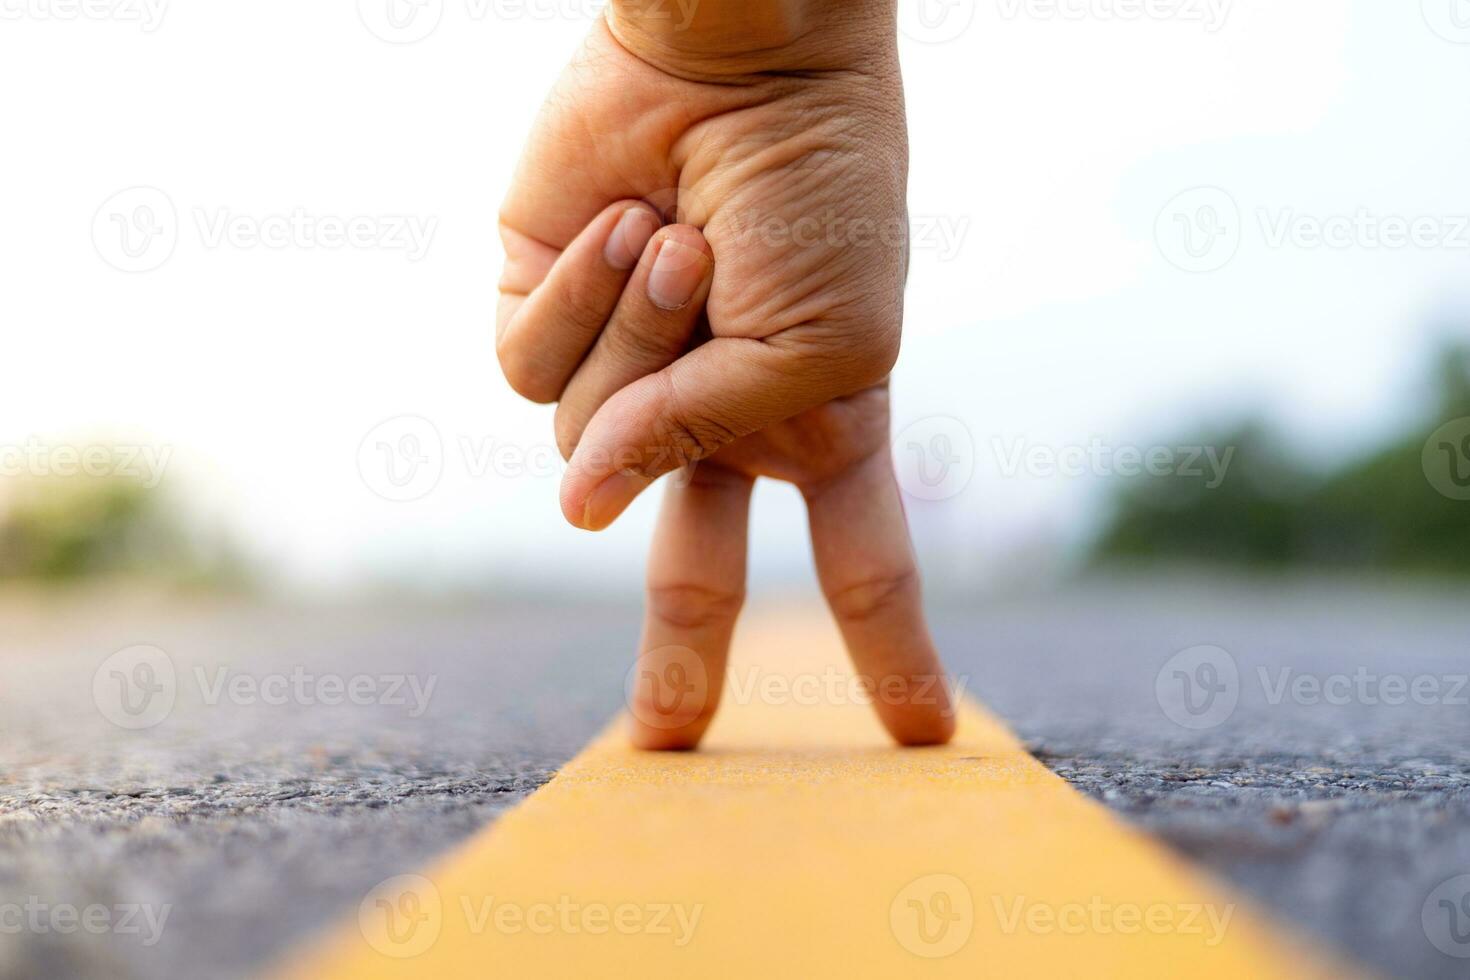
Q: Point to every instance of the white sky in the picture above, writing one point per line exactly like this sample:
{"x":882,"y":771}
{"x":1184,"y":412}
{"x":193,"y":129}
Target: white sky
{"x":1052,"y":143}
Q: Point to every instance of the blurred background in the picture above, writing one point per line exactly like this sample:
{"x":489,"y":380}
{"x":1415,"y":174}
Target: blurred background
{"x":263,"y":285}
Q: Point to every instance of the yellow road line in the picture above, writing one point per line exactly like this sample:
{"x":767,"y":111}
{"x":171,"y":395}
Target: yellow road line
{"x":800,"y":843}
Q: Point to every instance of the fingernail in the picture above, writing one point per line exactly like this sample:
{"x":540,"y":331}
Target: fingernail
{"x":610,"y":499}
{"x":629,"y":238}
{"x":676,"y":275}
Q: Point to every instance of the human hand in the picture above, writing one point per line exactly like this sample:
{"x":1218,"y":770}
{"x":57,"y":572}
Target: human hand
{"x":770,"y":362}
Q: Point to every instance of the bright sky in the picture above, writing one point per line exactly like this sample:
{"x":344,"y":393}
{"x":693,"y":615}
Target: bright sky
{"x":1052,"y":141}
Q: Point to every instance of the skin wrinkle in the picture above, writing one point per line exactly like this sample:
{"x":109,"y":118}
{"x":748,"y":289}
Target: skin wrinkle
{"x":792,"y":153}
{"x":691,"y":448}
{"x":803,"y":300}
{"x":810,"y":154}
{"x":795,"y":40}
{"x":809,"y":136}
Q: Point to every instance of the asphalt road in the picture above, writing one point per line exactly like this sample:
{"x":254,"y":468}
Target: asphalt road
{"x":246,"y":818}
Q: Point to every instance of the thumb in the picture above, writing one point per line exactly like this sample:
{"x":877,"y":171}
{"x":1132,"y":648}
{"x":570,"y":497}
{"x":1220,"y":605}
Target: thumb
{"x":715,"y":394}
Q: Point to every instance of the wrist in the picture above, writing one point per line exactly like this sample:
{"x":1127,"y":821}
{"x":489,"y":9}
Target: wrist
{"x":735,"y":37}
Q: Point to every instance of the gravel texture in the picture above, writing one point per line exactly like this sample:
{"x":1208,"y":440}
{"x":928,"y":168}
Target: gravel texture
{"x":1341,"y":817}
{"x":252,"y":825}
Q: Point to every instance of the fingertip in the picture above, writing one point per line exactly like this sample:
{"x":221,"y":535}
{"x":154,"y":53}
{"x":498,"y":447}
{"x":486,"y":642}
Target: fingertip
{"x":664,"y":740}
{"x":593,"y":502}
{"x":687,"y":237}
{"x":555,"y":310}
{"x":678,"y":277}
{"x":630,"y":233}
{"x":927,"y":728}
{"x":574,"y":502}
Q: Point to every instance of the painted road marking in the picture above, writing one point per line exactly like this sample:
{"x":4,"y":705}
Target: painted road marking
{"x":801,"y":843}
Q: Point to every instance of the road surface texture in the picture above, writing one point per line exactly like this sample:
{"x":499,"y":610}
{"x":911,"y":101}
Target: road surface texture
{"x":1271,"y":732}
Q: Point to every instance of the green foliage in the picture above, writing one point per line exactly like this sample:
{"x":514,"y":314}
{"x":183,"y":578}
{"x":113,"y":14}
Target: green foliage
{"x":1380,"y":512}
{"x":56,"y":529}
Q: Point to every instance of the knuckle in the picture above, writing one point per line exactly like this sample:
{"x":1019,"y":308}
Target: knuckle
{"x":865,"y":598}
{"x":844,"y":355}
{"x":583,"y":307}
{"x":686,"y":437}
{"x":689,"y":439}
{"x":647,"y":349}
{"x":691,"y":606}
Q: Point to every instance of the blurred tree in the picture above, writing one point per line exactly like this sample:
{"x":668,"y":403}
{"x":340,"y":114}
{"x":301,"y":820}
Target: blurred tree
{"x":56,"y":529}
{"x":1379,"y":512}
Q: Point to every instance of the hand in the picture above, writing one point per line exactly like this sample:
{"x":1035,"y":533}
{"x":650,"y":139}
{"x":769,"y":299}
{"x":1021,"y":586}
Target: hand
{"x":795,"y":170}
